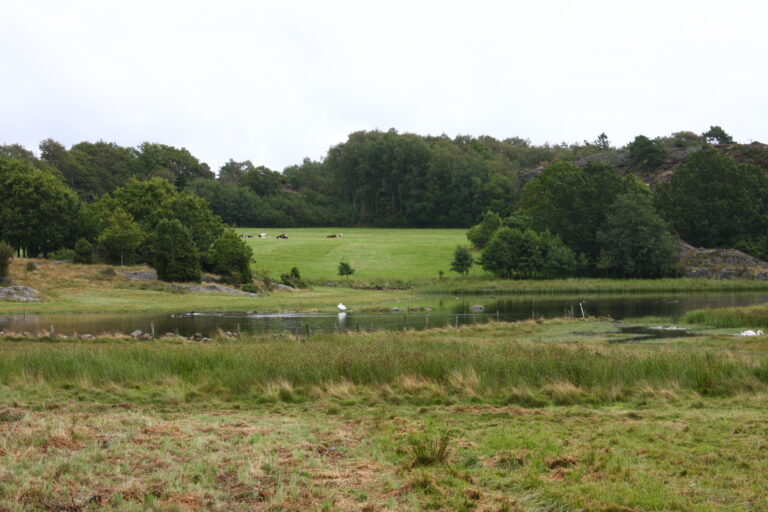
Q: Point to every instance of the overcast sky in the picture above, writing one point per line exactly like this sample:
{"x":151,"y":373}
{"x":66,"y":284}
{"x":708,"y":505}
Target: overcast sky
{"x":277,"y":81}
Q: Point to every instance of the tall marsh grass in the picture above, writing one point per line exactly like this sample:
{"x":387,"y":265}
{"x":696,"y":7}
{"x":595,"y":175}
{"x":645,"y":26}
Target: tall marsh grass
{"x":485,"y":362}
{"x":754,"y":316}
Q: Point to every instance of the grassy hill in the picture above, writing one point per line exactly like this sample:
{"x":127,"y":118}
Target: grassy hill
{"x":373,"y":253}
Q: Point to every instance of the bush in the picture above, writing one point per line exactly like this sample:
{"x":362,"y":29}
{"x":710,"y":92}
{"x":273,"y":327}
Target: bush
{"x":175,"y":253}
{"x":230,"y":256}
{"x":250,"y":288}
{"x":62,"y":254}
{"x":83,"y":251}
{"x":6,"y":255}
{"x":31,"y":267}
{"x":462,"y":260}
{"x":646,"y":154}
{"x":293,"y":279}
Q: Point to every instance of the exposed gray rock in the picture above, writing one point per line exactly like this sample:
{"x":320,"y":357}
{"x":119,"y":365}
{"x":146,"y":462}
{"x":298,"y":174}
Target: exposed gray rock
{"x":209,"y":288}
{"x":86,"y":336}
{"x":137,"y":333}
{"x":721,"y":264}
{"x":281,"y":286}
{"x":19,"y":294}
{"x":139,"y":275}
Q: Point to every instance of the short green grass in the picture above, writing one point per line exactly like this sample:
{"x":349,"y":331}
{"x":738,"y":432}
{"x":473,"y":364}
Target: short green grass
{"x":391,"y":254}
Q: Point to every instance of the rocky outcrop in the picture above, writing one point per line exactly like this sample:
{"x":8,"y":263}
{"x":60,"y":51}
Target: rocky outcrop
{"x":19,"y":294}
{"x":721,"y":264}
{"x":208,"y":288}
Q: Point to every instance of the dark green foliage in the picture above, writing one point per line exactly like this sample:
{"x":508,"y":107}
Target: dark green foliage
{"x":635,"y":241}
{"x":38,"y":213}
{"x":83,"y":251}
{"x":293,"y":279}
{"x":686,"y":139}
{"x":17,"y":151}
{"x":62,"y":253}
{"x":6,"y":255}
{"x":714,"y":201}
{"x":481,"y":233}
{"x":718,"y":135}
{"x":571,"y":202}
{"x":523,"y":253}
{"x":345,"y":269}
{"x":178,"y":166}
{"x":121,"y":237}
{"x":230,"y":256}
{"x":646,"y":154}
{"x":462,"y":260}
{"x":175,"y":254}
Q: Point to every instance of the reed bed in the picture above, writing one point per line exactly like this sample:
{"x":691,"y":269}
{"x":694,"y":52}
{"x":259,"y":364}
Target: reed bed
{"x":754,"y":316}
{"x":492,"y":363}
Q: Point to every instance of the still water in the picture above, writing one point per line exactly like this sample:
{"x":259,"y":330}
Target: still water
{"x":445,"y":310}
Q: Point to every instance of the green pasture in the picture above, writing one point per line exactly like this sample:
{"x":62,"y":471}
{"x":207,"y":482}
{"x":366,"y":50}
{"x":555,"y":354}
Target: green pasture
{"x":403,"y":254}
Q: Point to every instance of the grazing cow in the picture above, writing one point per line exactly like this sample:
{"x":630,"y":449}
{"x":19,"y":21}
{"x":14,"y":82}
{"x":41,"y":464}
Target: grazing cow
{"x":335,"y":235}
{"x":263,"y":235}
{"x":282,"y":236}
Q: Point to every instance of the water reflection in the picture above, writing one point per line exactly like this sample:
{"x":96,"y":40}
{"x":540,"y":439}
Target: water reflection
{"x":441,"y":311}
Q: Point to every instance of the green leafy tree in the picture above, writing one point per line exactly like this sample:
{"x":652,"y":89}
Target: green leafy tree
{"x":462,"y":260}
{"x":122,"y":237}
{"x":345,"y":269}
{"x":513,"y":253}
{"x":559,"y":259}
{"x":6,"y":255}
{"x":646,"y":154}
{"x":481,"y":233}
{"x":38,"y":212}
{"x":178,"y":166}
{"x":230,"y":256}
{"x":571,"y":202}
{"x":83,"y":251}
{"x":175,"y":254}
{"x":718,"y":135}
{"x":635,"y":241}
{"x":714,"y":201}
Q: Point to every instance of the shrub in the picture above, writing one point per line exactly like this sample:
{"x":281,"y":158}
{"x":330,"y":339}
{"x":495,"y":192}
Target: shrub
{"x":293,"y":279}
{"x":230,"y":256}
{"x":62,"y":254}
{"x":31,"y":267}
{"x":83,"y":251}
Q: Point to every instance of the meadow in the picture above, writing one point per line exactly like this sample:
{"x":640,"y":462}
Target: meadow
{"x":375,"y":254}
{"x":529,"y":416}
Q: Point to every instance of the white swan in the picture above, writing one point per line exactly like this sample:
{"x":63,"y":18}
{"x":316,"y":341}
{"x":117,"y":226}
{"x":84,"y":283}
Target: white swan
{"x":341,"y":307}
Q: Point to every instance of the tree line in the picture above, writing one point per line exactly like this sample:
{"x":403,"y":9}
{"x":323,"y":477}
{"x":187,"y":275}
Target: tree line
{"x":99,"y":192}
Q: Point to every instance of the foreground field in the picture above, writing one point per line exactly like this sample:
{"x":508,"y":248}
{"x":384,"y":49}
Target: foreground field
{"x":531,"y":416}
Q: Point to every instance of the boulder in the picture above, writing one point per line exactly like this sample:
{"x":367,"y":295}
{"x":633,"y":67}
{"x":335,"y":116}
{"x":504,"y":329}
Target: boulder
{"x":19,"y":294}
{"x":137,"y":333}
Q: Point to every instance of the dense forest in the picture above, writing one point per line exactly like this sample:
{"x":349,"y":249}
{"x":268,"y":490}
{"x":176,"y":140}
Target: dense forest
{"x":572,"y":201}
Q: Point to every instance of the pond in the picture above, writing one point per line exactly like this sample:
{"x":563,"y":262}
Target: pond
{"x":442,"y":311}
